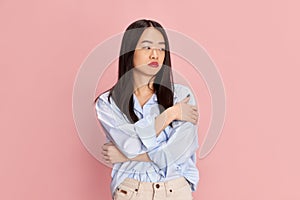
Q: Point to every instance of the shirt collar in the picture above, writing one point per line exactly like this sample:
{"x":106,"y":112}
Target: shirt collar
{"x":175,"y":97}
{"x":152,"y":100}
{"x":136,"y":104}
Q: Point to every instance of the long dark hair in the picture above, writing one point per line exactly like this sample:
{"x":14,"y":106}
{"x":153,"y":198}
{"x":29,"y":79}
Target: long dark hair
{"x":122,"y":91}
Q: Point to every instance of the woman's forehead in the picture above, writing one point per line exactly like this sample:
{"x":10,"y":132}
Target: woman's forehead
{"x":152,"y":35}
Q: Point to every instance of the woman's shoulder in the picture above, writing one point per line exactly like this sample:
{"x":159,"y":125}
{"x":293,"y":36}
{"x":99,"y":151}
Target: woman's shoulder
{"x":181,"y":90}
{"x":103,"y":98}
{"x":104,"y":103}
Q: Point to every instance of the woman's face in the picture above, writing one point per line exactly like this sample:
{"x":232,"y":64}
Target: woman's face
{"x":150,"y":52}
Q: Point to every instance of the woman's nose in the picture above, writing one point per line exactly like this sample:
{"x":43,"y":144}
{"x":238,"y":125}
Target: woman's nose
{"x":154,"y":54}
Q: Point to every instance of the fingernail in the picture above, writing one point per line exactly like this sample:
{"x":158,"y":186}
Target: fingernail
{"x":188,"y":95}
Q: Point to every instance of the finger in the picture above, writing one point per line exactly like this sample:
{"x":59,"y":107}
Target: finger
{"x":108,"y":162}
{"x":109,"y":144}
{"x":186,"y":99}
{"x":105,"y":147}
{"x":194,"y":108}
{"x":195,"y":113}
{"x":195,"y":119}
{"x":192,"y":120}
{"x":106,"y":158}
{"x":104,"y":152}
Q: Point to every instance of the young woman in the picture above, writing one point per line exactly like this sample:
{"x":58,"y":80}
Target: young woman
{"x":149,"y":121}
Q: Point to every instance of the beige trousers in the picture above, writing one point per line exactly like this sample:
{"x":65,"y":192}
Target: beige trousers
{"x":177,"y":189}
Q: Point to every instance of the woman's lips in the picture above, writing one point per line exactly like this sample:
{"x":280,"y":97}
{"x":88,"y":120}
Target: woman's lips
{"x":153,"y":64}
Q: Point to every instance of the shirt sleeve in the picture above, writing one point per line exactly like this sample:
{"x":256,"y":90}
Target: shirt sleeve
{"x":182,"y":144}
{"x":130,"y":139}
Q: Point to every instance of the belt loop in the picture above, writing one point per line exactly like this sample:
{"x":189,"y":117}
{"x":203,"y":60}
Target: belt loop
{"x":138,"y":188}
{"x":168,"y":189}
{"x":139,"y":185}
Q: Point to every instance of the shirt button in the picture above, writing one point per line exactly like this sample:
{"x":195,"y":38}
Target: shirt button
{"x":157,"y":186}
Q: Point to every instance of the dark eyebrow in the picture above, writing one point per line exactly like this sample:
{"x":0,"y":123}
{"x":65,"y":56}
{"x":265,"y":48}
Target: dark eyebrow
{"x":144,"y":41}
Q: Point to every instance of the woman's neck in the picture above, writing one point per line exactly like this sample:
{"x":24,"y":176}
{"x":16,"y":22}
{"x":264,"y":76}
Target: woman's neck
{"x":144,"y":91}
{"x":141,"y":86}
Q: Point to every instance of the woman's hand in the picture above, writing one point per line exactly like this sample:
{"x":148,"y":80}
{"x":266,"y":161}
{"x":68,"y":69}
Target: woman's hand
{"x":186,"y":112}
{"x":111,"y":154}
{"x":180,"y":111}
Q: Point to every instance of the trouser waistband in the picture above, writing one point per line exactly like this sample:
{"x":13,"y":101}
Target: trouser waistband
{"x":168,"y":185}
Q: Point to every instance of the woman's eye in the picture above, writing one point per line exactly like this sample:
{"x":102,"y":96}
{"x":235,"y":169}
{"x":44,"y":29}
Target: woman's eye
{"x":148,"y":47}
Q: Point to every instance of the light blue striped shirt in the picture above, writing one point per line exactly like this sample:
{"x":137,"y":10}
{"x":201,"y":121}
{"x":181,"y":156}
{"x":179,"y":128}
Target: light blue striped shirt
{"x":173,"y":152}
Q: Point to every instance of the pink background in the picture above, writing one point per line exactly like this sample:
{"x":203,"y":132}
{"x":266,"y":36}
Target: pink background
{"x":254,"y":44}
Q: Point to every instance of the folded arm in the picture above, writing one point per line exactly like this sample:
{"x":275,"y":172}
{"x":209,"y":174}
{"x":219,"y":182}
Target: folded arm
{"x":182,"y":144}
{"x":132,"y":139}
